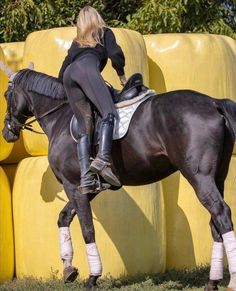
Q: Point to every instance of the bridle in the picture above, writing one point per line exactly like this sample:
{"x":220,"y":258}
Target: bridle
{"x":13,"y":124}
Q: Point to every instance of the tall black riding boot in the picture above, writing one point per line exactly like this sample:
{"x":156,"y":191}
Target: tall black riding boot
{"x":101,"y":165}
{"x":88,"y":183}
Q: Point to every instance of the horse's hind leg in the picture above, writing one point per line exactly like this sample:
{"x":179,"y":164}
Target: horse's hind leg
{"x":66,"y":216}
{"x":209,"y":195}
{"x":217,"y":259}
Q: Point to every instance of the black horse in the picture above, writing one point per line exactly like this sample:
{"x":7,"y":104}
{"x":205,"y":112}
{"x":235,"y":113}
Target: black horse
{"x":181,"y":130}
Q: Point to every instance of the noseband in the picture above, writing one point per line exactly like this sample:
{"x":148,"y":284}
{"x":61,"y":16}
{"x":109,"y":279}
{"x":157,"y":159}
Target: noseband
{"x":13,"y":124}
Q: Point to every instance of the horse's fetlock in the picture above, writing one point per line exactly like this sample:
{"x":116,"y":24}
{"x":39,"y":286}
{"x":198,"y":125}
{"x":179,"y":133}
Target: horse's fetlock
{"x":89,"y":236}
{"x":63,"y":219}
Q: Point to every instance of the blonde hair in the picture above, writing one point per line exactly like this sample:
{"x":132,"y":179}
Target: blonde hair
{"x":89,"y":27}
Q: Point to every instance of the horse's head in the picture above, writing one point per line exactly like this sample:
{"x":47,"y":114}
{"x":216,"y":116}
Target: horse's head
{"x":18,"y":110}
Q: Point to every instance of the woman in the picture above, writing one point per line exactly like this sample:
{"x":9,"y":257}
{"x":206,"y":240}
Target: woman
{"x":81,"y":75}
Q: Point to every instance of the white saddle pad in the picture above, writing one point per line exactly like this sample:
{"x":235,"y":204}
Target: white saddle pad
{"x":126,"y":110}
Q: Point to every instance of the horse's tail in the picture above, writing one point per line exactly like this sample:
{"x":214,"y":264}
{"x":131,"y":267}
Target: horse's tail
{"x":228,"y":109}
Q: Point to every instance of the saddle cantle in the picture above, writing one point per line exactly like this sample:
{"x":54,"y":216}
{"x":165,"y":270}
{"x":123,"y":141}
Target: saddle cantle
{"x":132,"y":88}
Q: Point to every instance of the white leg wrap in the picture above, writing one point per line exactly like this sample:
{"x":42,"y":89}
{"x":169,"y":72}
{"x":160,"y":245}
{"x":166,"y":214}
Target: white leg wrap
{"x":232,"y":282}
{"x":230,"y":248}
{"x":217,"y":261}
{"x":94,"y":261}
{"x":66,"y":248}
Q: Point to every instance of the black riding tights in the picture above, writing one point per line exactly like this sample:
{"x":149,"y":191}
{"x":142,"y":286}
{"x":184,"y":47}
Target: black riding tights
{"x":83,"y":83}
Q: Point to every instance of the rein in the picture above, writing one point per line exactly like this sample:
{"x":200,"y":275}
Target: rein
{"x":27,"y":125}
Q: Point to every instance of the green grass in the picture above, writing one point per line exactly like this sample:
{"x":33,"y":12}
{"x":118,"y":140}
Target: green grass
{"x":173,"y":280}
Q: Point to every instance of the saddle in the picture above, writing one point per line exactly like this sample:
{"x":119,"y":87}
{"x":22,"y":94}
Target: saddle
{"x":126,"y":102}
{"x":133,"y":87}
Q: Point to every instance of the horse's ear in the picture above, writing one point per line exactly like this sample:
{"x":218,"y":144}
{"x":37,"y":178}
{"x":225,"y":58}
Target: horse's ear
{"x":31,"y":66}
{"x":6,"y":69}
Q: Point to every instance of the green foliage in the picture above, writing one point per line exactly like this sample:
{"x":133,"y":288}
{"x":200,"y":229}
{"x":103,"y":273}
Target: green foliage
{"x":187,"y":280}
{"x":20,"y":17}
{"x":157,"y":16}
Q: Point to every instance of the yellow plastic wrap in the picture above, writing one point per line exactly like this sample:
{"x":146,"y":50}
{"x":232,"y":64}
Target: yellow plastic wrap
{"x":129,"y":225}
{"x":187,"y":221}
{"x":13,"y":52}
{"x":201,"y":62}
{"x":188,"y":235}
{"x":17,"y":153}
{"x":10,"y":170}
{"x":48,"y":48}
{"x":6,"y":230}
{"x":5,"y":148}
{"x":205,"y":63}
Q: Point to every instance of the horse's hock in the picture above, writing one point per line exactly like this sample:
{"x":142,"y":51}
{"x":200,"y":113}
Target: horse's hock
{"x":130,"y":224}
{"x":205,"y":63}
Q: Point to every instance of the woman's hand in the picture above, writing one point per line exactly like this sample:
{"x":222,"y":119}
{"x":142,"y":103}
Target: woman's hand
{"x":122,"y":80}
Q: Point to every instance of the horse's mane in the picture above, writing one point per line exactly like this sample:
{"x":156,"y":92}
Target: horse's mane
{"x":40,"y":83}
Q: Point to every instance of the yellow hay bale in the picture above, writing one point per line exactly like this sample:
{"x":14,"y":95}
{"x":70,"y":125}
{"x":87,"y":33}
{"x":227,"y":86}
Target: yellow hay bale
{"x":188,"y":235}
{"x":5,"y":148}
{"x":187,"y":221}
{"x":6,"y":230}
{"x":205,"y":63}
{"x":129,"y":225}
{"x":10,"y":170}
{"x":13,"y":52}
{"x":200,"y":62}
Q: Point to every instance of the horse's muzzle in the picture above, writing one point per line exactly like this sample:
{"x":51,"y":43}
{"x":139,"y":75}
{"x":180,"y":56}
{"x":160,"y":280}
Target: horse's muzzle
{"x":9,"y":134}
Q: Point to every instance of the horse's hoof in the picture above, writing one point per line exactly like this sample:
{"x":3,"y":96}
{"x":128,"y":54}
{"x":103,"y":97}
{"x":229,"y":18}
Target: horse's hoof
{"x":91,"y":283}
{"x":70,"y":274}
{"x":211,"y":285}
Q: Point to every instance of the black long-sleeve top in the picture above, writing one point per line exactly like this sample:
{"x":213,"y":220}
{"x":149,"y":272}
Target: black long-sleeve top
{"x":110,"y":49}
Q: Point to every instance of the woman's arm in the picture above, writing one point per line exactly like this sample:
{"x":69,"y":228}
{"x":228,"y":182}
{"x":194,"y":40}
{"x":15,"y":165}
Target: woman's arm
{"x":115,"y":53}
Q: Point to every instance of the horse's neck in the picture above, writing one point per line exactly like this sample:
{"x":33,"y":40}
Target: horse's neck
{"x":44,"y":105}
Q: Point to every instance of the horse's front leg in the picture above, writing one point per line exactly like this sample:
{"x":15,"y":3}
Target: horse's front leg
{"x":66,"y":216}
{"x":81,"y":204}
{"x":84,"y":212}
